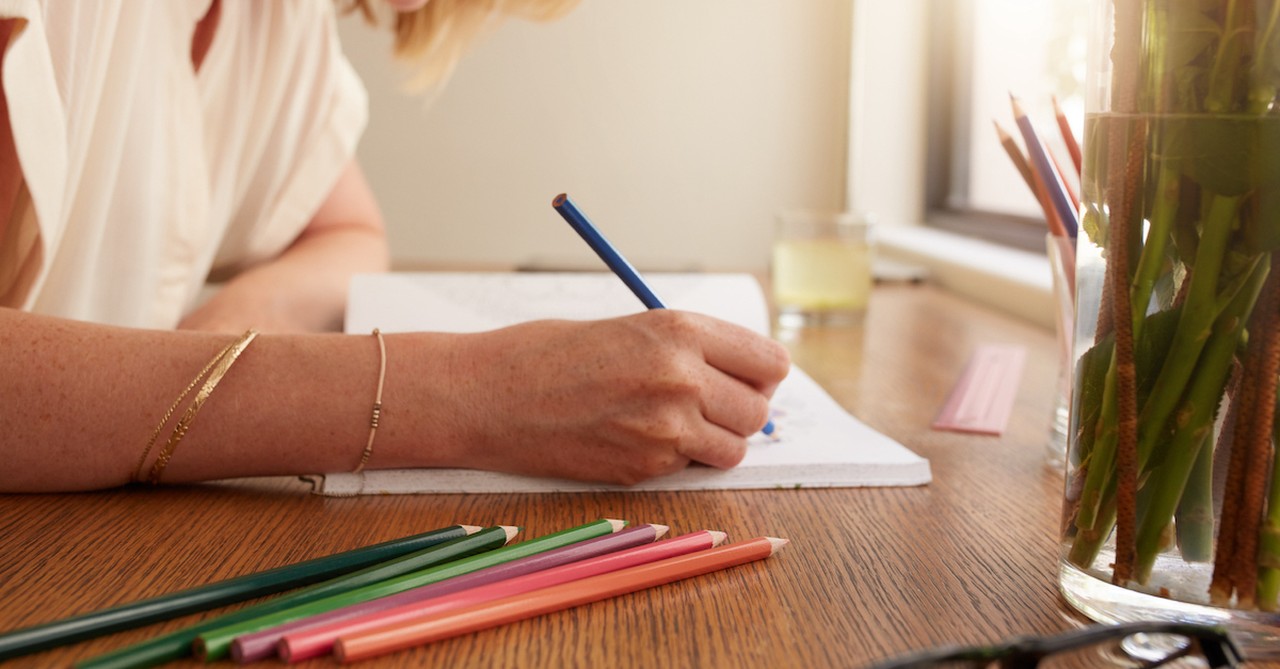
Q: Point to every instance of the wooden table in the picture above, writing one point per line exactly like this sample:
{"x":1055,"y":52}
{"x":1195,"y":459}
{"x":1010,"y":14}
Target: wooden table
{"x":970,"y":558}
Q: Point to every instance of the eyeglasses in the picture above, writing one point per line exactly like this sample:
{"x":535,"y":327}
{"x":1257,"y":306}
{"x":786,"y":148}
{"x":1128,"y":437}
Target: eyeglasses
{"x":1149,"y":644}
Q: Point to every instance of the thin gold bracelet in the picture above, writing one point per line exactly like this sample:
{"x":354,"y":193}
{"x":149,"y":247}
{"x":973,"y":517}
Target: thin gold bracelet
{"x":155,"y":434}
{"x":216,"y":369}
{"x":377,"y":403}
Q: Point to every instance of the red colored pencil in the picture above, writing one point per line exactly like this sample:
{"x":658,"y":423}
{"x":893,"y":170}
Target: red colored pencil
{"x":1068,"y":138}
{"x":556,"y":598}
{"x":312,"y":642}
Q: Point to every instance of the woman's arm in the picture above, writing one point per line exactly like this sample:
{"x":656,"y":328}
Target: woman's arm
{"x":617,"y":400}
{"x":305,"y":288}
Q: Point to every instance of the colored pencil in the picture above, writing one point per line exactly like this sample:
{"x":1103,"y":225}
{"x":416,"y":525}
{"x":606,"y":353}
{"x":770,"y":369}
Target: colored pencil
{"x":1062,"y":173}
{"x":178,"y":644}
{"x":1015,"y":155}
{"x":312,"y":642}
{"x":213,"y":595}
{"x":1044,"y":169}
{"x":614,"y":260}
{"x":1033,"y":182}
{"x":1068,"y":138}
{"x":216,"y":643}
{"x":538,"y":602}
{"x":262,"y":644}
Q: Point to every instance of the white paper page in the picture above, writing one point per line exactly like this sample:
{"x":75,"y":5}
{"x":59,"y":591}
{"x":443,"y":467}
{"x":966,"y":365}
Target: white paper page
{"x":816,"y":444}
{"x":475,"y":302}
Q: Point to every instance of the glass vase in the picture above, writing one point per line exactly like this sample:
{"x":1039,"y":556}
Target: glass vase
{"x":1172,"y":498}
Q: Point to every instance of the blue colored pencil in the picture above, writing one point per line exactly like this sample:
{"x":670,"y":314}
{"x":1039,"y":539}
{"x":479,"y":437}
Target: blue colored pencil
{"x":619,"y":265}
{"x":1053,"y":184}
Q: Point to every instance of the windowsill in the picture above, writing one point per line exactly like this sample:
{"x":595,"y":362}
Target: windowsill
{"x":1012,"y":280}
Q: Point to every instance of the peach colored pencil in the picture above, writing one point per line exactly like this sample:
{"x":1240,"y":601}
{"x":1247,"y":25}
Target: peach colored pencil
{"x":556,"y":598}
{"x":1016,"y":156}
{"x":315,"y":641}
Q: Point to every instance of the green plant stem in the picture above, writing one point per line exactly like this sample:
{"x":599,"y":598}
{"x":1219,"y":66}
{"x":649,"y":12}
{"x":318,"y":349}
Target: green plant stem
{"x":1163,"y":489}
{"x":1205,"y":303}
{"x":1153,"y":253}
{"x":1261,"y":91}
{"x":1194,"y":517}
{"x":1222,"y":77}
{"x":1201,"y":309}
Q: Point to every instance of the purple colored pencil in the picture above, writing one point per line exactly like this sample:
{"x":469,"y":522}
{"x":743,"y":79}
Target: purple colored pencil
{"x":1057,"y":191}
{"x":262,"y":644}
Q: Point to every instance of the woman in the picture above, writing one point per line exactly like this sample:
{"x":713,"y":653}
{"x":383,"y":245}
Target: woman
{"x":148,"y":147}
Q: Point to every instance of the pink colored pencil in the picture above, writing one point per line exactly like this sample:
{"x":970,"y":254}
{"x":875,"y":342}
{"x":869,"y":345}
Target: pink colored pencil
{"x":316,"y":641}
{"x":555,"y":598}
{"x":262,"y":644}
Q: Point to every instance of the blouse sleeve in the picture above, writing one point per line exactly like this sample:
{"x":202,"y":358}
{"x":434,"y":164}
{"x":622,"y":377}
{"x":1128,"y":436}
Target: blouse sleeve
{"x":38,"y":122}
{"x":285,"y":113}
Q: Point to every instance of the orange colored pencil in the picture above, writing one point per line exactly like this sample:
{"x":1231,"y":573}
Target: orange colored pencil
{"x":1068,"y":137}
{"x":1032,"y":179}
{"x":528,"y":605}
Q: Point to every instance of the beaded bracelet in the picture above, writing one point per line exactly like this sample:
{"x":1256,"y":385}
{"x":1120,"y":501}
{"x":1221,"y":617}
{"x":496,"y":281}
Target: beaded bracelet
{"x":377,"y":403}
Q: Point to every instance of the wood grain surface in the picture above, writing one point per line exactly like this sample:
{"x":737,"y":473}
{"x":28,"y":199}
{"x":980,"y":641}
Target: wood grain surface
{"x":869,"y":573}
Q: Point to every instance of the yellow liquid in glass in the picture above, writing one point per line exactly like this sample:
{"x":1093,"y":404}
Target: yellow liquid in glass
{"x":819,"y":275}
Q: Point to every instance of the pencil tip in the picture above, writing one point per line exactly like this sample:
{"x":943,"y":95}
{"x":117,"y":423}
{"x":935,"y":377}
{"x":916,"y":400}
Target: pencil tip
{"x":777,"y":544}
{"x":470,"y":529}
{"x":1017,"y":106}
{"x":659,"y":530}
{"x":511,"y":531}
{"x":616,"y":524}
{"x":559,"y":199}
{"x":717,"y":537}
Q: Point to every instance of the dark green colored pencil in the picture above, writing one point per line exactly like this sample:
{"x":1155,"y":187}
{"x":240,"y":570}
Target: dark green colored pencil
{"x":178,"y":644}
{"x":205,"y":597}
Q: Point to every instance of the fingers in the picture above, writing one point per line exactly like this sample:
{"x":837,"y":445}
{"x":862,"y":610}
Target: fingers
{"x":737,"y":351}
{"x":730,"y":403}
{"x":713,"y":445}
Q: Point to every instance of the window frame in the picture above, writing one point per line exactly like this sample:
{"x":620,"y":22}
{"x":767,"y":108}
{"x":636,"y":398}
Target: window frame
{"x":948,"y":83}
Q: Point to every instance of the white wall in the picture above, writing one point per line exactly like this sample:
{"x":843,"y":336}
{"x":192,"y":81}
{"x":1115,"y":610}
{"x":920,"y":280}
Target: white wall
{"x":887,"y":101}
{"x":679,"y":127}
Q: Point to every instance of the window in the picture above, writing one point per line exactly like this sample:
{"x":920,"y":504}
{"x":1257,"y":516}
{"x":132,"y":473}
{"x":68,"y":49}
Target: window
{"x":981,"y":51}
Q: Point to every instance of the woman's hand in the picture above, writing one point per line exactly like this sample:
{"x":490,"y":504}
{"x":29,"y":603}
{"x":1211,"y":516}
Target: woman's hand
{"x":619,"y":400}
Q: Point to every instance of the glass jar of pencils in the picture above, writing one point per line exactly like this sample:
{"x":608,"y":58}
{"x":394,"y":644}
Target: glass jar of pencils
{"x":1172,"y":496}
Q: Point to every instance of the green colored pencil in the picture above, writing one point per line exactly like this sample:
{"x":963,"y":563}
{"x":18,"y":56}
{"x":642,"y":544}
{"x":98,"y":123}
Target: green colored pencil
{"x":178,"y":644}
{"x":215,"y":644}
{"x":213,"y":595}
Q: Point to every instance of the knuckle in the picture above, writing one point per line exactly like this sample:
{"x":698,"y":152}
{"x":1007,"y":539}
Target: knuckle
{"x":675,"y":325}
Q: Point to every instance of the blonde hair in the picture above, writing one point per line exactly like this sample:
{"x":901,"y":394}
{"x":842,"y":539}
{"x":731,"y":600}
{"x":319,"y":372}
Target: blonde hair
{"x":436,"y":35}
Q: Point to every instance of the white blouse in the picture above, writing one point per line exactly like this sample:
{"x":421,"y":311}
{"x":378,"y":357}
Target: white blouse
{"x":143,"y":175}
